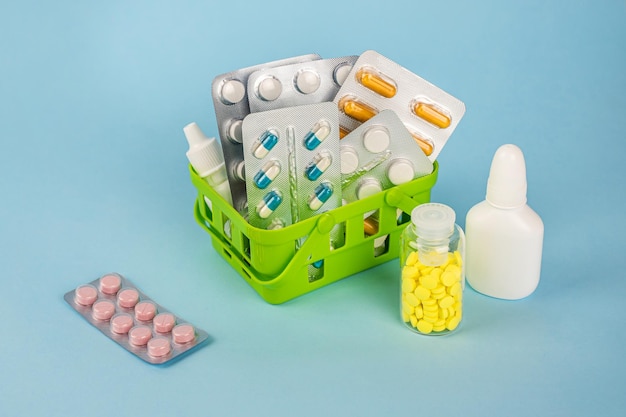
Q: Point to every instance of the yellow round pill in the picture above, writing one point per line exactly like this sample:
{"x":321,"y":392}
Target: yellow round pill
{"x":443,"y":313}
{"x":407,"y":308}
{"x":419,"y":312}
{"x":424,"y":327}
{"x":455,"y":288}
{"x":436,"y":272}
{"x":408,"y":285}
{"x":413,"y":320}
{"x":422,"y":293}
{"x":429,"y":302}
{"x":412,"y":299}
{"x":453,"y":269}
{"x":428,"y":281}
{"x":405,"y":317}
{"x":446,"y":301}
{"x":439,"y":328}
{"x":411,"y":259}
{"x":452,"y":323}
{"x":457,"y":257}
{"x":410,"y":272}
{"x":449,"y":278}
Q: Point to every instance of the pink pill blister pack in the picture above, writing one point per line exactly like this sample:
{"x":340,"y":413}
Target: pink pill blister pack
{"x":123,"y":313}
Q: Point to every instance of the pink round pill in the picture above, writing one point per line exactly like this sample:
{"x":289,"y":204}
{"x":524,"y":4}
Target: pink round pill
{"x":110,"y":284}
{"x":86,"y":295}
{"x":183,"y":333}
{"x":103,"y":309}
{"x":121,"y":323}
{"x":145,"y":311}
{"x":128,"y":297}
{"x":158,"y":347}
{"x":139,"y":335}
{"x":164,"y":322}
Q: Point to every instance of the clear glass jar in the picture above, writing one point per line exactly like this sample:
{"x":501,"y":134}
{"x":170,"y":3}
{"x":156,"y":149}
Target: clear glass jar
{"x":432,"y":270}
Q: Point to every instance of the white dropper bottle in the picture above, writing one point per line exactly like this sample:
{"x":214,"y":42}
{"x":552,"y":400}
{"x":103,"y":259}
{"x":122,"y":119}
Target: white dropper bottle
{"x":206,"y":157}
{"x":504,"y":236}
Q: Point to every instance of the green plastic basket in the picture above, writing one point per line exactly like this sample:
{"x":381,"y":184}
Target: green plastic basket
{"x":268,"y":259}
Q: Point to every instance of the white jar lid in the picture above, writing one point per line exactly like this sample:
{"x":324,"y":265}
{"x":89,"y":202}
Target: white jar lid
{"x":433,"y":220}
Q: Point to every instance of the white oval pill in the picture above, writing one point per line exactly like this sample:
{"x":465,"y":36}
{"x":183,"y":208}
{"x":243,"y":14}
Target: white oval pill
{"x":376,"y":139}
{"x":269,"y":89}
{"x":400,"y":171}
{"x":232,"y":92}
{"x":341,"y":73}
{"x":307,"y":81}
{"x":368,"y":188}
{"x":349,"y":160}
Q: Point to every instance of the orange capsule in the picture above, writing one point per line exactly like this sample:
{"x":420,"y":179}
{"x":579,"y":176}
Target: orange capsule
{"x":376,"y":82}
{"x":426,"y":145}
{"x":356,"y":109}
{"x":370,"y":226}
{"x":343,"y":132}
{"x":431,"y":114}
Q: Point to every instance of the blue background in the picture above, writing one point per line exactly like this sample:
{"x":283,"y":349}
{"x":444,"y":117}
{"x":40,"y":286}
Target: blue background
{"x":93,"y":179}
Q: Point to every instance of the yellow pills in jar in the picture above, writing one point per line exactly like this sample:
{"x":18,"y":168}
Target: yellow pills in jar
{"x":432,"y":295}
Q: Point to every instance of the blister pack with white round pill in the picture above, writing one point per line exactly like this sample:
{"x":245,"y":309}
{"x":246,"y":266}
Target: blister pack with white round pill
{"x":377,"y":83}
{"x":230,"y":100}
{"x":298,"y":84}
{"x":123,"y":313}
{"x":292,"y":164}
{"x":379,"y":154}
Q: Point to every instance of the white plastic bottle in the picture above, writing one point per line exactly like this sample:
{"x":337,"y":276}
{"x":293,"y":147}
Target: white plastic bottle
{"x":504,"y":236}
{"x":206,"y":157}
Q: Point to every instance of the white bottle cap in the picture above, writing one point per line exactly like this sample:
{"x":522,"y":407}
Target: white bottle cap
{"x":204,"y":154}
{"x":506,"y":187}
{"x":433,"y":221}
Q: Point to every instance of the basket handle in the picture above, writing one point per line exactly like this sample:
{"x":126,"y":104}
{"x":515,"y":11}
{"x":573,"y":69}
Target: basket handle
{"x":203,"y":224}
{"x":401,"y":200}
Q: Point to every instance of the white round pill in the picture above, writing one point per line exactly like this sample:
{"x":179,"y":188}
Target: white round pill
{"x":234,"y":131}
{"x":400,"y":171}
{"x":232,"y":92}
{"x":368,"y":188}
{"x":269,"y":89}
{"x":349,"y":160}
{"x":307,"y":81}
{"x":341,"y":73}
{"x":376,"y":139}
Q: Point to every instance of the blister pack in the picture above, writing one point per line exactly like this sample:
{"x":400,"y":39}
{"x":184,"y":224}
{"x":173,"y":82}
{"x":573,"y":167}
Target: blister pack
{"x":298,"y":84}
{"x":379,"y":154}
{"x":292,"y":164}
{"x":230,"y":100}
{"x":377,"y":83}
{"x":124,"y":314}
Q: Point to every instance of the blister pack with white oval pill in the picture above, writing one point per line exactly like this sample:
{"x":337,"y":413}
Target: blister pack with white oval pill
{"x":298,"y":84}
{"x":379,"y":154}
{"x":230,"y":100}
{"x":377,"y":83}
{"x":123,"y":313}
{"x":292,"y":163}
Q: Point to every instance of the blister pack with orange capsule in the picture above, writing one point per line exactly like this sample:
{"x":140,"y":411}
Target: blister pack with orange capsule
{"x":377,"y":83}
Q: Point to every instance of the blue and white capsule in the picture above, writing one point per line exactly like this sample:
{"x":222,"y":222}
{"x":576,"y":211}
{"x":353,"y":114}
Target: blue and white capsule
{"x":320,"y":131}
{"x":321,"y":195}
{"x":267,"y":174}
{"x":269,"y":204}
{"x":264,"y":144}
{"x":318,"y":165}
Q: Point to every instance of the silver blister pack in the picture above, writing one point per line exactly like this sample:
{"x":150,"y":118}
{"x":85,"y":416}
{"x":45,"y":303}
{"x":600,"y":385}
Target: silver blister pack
{"x":230,"y":100}
{"x":298,"y":84}
{"x":379,"y":154}
{"x":377,"y":83}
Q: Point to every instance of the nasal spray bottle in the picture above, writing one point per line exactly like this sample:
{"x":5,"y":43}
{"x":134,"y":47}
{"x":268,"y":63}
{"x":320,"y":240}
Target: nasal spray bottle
{"x":504,"y":236}
{"x":206,"y":157}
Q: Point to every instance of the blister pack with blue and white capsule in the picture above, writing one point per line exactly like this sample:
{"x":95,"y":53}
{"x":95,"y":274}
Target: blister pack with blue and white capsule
{"x":230,"y":100}
{"x":377,"y":83}
{"x":380,"y":154}
{"x":298,"y":84}
{"x":292,"y":164}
